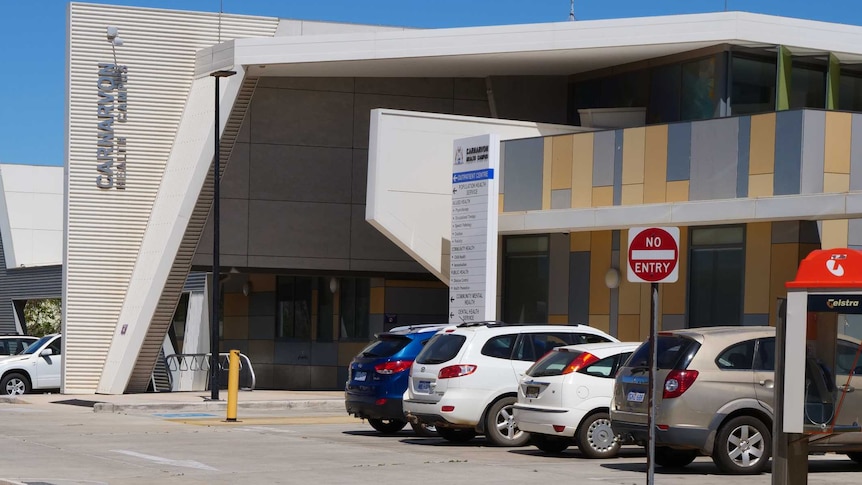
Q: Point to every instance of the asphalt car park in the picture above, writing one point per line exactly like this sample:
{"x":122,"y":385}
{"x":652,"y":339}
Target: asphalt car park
{"x":65,"y":444}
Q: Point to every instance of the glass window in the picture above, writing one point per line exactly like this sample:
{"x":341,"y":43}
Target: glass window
{"x":177,"y":329}
{"x":602,"y":368}
{"x":716,"y":277}
{"x":672,"y":352}
{"x":535,"y":345}
{"x":385,"y":346}
{"x":325,"y":309}
{"x":699,"y":97}
{"x":665,"y":88}
{"x":499,"y":346}
{"x":441,"y":348}
{"x":850,"y":91}
{"x":56,"y":346}
{"x":753,"y":85}
{"x":583,"y":338}
{"x":808,"y":87}
{"x":765,"y":359}
{"x":525,"y":283}
{"x":848,"y":358}
{"x":354,"y":307}
{"x":293,"y":296}
{"x":737,"y":357}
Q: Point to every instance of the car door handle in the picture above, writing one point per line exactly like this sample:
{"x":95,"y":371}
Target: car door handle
{"x":847,"y":388}
{"x":767,"y":383}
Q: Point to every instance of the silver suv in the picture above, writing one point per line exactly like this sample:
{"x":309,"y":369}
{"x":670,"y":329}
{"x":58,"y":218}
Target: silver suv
{"x":716,"y":398}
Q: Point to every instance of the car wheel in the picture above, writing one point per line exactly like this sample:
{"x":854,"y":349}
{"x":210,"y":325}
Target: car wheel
{"x":596,"y":439}
{"x":743,"y":446}
{"x":422,"y":429}
{"x":387,"y":426}
{"x":671,"y":458}
{"x":855,"y":456}
{"x":550,"y":444}
{"x":500,"y":427}
{"x":14,"y":384}
{"x":456,"y":435}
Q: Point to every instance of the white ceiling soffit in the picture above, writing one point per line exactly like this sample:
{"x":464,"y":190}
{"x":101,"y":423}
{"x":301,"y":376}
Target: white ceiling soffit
{"x":409,"y":196}
{"x":551,"y":48}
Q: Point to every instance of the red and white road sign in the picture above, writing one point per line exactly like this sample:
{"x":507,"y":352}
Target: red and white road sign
{"x":653,"y":255}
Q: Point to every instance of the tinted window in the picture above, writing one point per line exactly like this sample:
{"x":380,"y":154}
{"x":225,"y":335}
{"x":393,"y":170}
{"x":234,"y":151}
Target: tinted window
{"x":534,"y":345}
{"x":848,"y":358}
{"x":385,"y":346}
{"x":37,"y":344}
{"x":552,"y":364}
{"x":584,"y":338}
{"x":500,"y":346}
{"x":441,"y":348}
{"x":737,"y":357}
{"x":602,"y":368}
{"x":674,"y":352}
{"x":56,"y":346}
{"x":765,"y":358}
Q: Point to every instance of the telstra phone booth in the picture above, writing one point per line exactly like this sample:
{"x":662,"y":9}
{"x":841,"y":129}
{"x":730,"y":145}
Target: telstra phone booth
{"x":823,"y":342}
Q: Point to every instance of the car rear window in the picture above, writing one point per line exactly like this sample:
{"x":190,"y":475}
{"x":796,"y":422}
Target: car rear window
{"x":441,"y":348}
{"x":552,"y":364}
{"x":673,"y":352}
{"x":385,"y":346}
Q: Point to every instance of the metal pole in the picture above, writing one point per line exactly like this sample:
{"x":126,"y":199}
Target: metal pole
{"x":653,"y":352}
{"x":216,"y":287}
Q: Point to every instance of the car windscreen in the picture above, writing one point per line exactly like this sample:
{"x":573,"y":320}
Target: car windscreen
{"x":441,"y":348}
{"x":385,"y":346}
{"x":36,"y":345}
{"x":552,"y":364}
{"x":673,"y":352}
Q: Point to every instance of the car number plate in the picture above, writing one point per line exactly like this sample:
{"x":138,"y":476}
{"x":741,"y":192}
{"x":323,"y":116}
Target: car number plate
{"x":360,"y":376}
{"x":423,"y":386}
{"x":532,"y":391}
{"x":635,"y":396}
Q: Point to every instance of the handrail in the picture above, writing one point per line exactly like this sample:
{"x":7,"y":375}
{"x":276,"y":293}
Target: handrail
{"x":201,"y":362}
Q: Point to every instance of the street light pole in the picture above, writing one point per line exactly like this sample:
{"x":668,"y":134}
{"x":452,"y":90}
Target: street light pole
{"x":216,"y":286}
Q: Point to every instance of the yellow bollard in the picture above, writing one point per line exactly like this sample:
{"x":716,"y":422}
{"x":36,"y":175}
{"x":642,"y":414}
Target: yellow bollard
{"x":232,"y":385}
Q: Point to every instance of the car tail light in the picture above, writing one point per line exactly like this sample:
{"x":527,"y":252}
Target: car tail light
{"x":393,"y":367}
{"x":380,"y":402}
{"x":447,"y":409}
{"x":580,"y":362}
{"x":677,"y":382}
{"x":456,"y":371}
{"x":559,"y":428}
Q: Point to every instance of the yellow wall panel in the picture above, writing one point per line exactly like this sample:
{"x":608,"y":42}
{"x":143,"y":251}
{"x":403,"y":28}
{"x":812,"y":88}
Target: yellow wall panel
{"x":834,"y":234}
{"x":348,"y":350}
{"x":630,"y":296}
{"x":655,"y":164}
{"x":235,"y":304}
{"x":561,"y":162}
{"x":376,"y":304}
{"x":582,"y":170}
{"x":760,"y":185}
{"x":500,"y":204}
{"x":758,"y":250}
{"x":603,"y":196}
{"x":600,"y":261}
{"x":546,"y":173}
{"x":633,"y":155}
{"x":579,"y":241}
{"x":632,"y":194}
{"x":837,"y":142}
{"x":629,"y":328}
{"x":558,"y":319}
{"x":762,"y":151}
{"x":836,"y":182}
{"x":785,"y":261}
{"x":262,"y":282}
{"x":235,"y":328}
{"x":677,"y":191}
{"x":673,"y":294}
{"x":601,"y":322}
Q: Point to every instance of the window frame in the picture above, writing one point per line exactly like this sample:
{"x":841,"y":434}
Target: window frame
{"x":689,"y":268}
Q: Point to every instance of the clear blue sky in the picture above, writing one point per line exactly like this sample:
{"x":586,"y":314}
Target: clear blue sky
{"x":33,"y":37}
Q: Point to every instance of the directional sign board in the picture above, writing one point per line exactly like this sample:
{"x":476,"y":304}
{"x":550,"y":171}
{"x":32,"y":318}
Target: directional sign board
{"x":473,"y":257}
{"x":653,"y":254}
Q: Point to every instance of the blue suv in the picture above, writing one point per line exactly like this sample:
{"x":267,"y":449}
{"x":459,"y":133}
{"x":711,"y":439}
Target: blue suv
{"x":379,"y":375}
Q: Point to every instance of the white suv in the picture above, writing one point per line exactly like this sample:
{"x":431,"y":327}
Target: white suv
{"x":38,"y":367}
{"x":465,"y":380}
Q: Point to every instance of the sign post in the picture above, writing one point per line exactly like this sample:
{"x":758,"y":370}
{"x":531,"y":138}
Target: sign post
{"x":653,"y":258}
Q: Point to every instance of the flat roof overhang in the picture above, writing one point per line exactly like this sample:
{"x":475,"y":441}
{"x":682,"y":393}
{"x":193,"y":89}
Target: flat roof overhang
{"x":561,"y":48}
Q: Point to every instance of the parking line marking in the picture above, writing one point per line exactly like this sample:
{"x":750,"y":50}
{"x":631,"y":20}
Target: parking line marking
{"x":167,"y":461}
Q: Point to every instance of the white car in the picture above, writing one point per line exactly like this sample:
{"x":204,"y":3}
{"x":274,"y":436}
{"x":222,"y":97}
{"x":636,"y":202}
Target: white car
{"x":465,"y":380}
{"x":38,"y":367}
{"x":564,"y":398}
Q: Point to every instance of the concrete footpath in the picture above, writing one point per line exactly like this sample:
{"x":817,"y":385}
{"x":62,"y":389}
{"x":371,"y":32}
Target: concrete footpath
{"x":195,"y":401}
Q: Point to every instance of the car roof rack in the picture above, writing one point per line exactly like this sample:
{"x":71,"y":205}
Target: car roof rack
{"x":416,"y":326}
{"x":488,"y":323}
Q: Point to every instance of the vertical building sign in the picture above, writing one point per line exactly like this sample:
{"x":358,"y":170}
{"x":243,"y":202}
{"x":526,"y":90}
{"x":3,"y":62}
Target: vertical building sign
{"x":473,"y":261}
{"x":111,"y":111}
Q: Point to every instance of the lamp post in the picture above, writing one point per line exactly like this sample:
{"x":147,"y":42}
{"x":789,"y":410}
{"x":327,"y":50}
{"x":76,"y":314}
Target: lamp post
{"x":216,"y":287}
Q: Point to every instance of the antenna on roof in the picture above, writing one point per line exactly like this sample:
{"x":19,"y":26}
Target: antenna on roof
{"x":572,"y":11}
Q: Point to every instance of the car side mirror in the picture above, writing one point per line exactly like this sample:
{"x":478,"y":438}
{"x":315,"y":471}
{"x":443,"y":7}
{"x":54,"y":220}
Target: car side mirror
{"x":46,"y":353}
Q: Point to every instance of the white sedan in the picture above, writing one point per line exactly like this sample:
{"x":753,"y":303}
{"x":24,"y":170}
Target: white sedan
{"x":564,"y":398}
{"x":38,"y":367}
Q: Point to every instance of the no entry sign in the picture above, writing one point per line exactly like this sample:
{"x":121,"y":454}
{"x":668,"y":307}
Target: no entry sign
{"x":653,"y":254}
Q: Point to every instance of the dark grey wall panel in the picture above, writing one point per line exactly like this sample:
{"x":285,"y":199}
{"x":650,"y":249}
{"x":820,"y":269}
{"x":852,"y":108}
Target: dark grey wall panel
{"x":604,"y":150}
{"x":755,"y":319}
{"x":283,"y":116}
{"x":785,"y":232}
{"x":25,"y":284}
{"x":366,"y":242}
{"x":299,"y":229}
{"x":619,"y":136}
{"x":415,"y":301}
{"x":406,"y":86}
{"x":579,"y":287}
{"x":522,"y":174}
{"x":672,"y":322}
{"x":743,"y":156}
{"x":234,"y":181}
{"x":856,"y":152}
{"x":813,"y":153}
{"x":308,"y":174}
{"x":788,"y":152}
{"x":714,"y":153}
{"x":678,"y":151}
{"x":534,"y":98}
{"x":558,"y":281}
